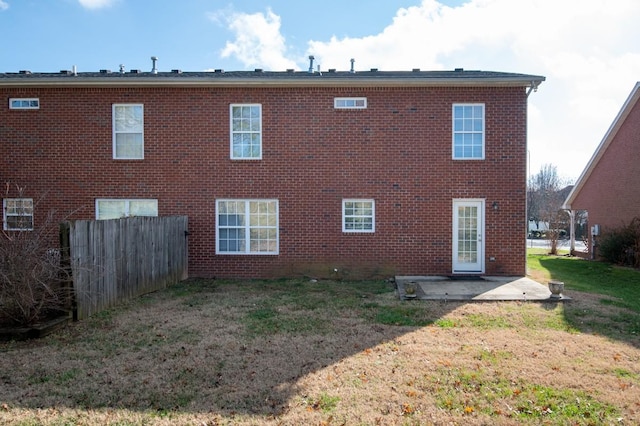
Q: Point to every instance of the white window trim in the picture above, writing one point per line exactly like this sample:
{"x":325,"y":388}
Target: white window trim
{"x":341,"y":103}
{"x":5,"y":225}
{"x":453,"y":132}
{"x":127,"y":205}
{"x":29,"y":100}
{"x":231,"y":132}
{"x":248,"y":227}
{"x":113,"y":124}
{"x":373,"y":215}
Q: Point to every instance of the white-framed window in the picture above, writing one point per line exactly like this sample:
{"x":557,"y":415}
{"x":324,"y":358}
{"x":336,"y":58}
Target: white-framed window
{"x":468,"y":131}
{"x":358,"y":216}
{"x":128,"y":131}
{"x":17,"y":214}
{"x":350,"y":103}
{"x":246,"y":131}
{"x":115,"y":208}
{"x":24,"y":103}
{"x":247,"y":227}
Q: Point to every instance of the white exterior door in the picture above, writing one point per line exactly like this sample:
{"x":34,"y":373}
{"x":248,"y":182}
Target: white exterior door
{"x":468,"y":233}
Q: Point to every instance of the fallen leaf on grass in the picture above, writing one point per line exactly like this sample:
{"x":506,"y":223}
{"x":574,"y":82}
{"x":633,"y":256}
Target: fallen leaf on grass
{"x":407,"y":409}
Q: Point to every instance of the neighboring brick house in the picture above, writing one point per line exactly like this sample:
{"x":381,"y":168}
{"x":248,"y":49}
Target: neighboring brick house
{"x":346,"y":174}
{"x":609,"y":187}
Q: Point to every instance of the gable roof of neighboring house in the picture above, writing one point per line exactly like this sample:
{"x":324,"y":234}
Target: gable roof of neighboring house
{"x":604,"y":145}
{"x":260,"y":78}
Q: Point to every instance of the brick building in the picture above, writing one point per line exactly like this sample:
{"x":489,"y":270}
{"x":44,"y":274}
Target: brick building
{"x":349,"y":174}
{"x":608,"y":187}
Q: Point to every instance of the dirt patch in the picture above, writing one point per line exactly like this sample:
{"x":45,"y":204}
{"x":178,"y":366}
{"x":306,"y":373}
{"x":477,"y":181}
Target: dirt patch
{"x":328,"y":353}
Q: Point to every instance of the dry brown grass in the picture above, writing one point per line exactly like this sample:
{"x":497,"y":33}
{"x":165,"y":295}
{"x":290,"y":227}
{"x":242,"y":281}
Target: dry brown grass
{"x":326,"y":353}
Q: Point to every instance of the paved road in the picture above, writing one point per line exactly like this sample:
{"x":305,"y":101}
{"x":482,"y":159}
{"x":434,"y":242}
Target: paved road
{"x":562,"y":244}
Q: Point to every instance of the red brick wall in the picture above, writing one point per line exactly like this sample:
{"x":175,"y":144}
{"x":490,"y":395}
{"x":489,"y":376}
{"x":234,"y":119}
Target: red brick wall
{"x":397,"y":151}
{"x":610,"y":194}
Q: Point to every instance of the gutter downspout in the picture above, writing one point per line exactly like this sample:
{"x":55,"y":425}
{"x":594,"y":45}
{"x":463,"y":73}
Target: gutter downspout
{"x":533,"y":87}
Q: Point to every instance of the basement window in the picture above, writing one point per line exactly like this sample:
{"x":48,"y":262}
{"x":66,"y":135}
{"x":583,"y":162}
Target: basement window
{"x":118,"y":208}
{"x":24,"y":103}
{"x":350,"y":103}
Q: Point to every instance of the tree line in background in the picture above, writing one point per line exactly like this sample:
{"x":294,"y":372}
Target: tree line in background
{"x":546,"y":193}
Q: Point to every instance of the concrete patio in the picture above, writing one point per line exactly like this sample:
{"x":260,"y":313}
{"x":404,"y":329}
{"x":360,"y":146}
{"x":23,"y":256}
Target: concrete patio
{"x":475,"y":288}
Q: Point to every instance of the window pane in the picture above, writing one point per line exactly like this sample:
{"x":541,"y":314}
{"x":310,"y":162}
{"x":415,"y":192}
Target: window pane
{"x":358,"y":216}
{"x":256,"y":233}
{"x":468,"y":131}
{"x":359,"y":103}
{"x":111,"y":209}
{"x":19,"y":222}
{"x":143,"y":208}
{"x":128,"y":145}
{"x":128,"y":118}
{"x":246,"y":139}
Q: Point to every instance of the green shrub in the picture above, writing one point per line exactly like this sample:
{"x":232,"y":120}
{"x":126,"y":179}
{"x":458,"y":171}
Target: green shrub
{"x":622,"y":245}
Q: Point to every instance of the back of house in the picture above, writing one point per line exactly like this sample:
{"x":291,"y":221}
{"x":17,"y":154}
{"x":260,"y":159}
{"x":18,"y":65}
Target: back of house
{"x":324,"y":174}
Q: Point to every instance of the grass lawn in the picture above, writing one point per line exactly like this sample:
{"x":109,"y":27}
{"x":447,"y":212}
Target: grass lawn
{"x":300,"y":352}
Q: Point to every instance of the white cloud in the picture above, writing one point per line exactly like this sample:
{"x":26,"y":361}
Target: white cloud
{"x":3,"y":5}
{"x":587,"y":49}
{"x":96,"y":4}
{"x":258,"y":41}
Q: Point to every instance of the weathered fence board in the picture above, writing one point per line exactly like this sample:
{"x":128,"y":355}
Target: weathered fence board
{"x":115,"y":260}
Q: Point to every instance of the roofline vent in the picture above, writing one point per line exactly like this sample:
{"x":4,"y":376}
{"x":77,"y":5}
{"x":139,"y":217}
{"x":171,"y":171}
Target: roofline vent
{"x":105,"y":71}
{"x":258,"y":70}
{"x":135,"y":71}
{"x":176,"y":71}
{"x":25,"y":72}
{"x":416,"y":70}
{"x":352,"y":70}
{"x":459,"y":69}
{"x":122,"y":69}
{"x":311,"y":58}
{"x":374,"y":69}
{"x":66,"y":72}
{"x":154,"y":60}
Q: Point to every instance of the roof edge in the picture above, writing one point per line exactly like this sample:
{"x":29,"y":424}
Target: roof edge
{"x":632,"y":99}
{"x":259,"y":78}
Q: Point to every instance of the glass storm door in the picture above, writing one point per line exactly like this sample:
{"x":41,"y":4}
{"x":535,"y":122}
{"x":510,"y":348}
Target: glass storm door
{"x":468,"y":244}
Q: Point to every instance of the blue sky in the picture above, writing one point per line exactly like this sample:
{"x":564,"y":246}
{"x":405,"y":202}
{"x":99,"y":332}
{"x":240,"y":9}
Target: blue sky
{"x":587,"y":49}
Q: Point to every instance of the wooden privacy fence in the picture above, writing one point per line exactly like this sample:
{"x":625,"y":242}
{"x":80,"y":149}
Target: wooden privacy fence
{"x":113,"y":261}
